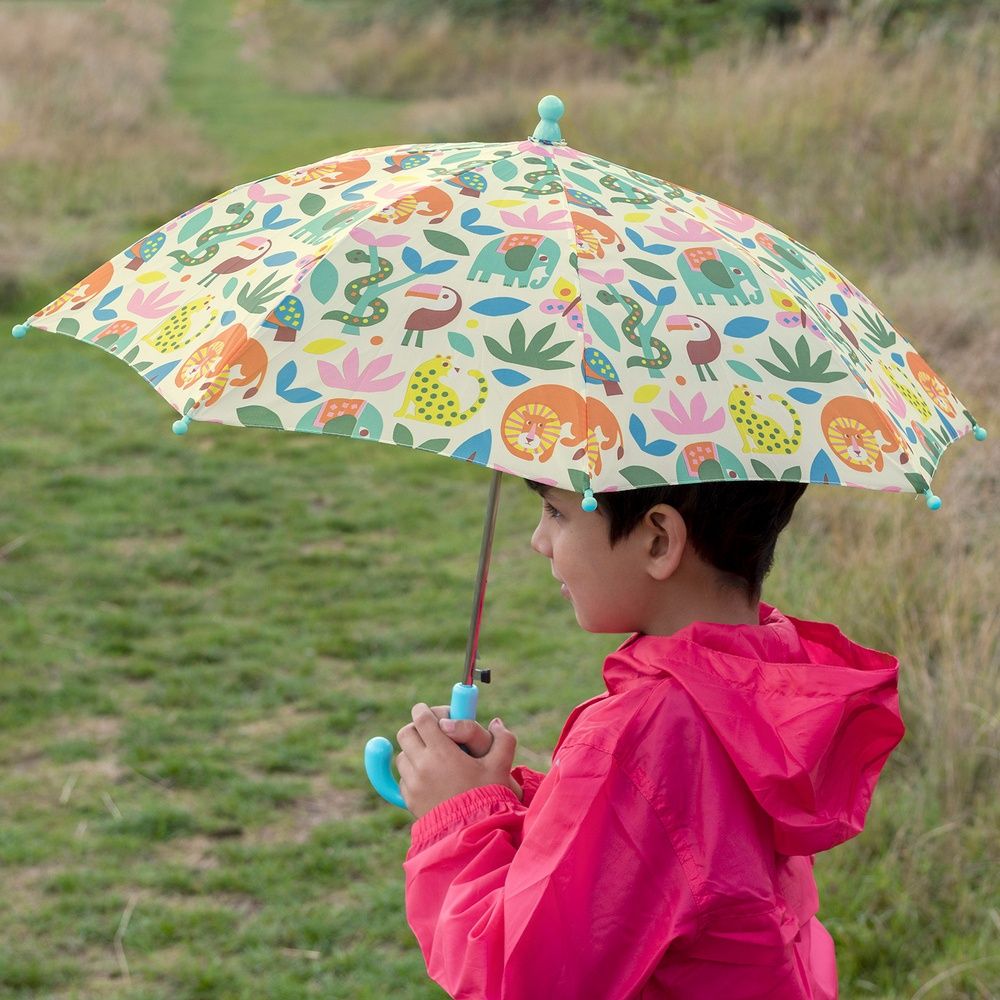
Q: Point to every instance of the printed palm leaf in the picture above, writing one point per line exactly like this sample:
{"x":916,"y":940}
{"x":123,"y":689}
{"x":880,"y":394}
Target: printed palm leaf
{"x":255,"y":300}
{"x":881,"y":334}
{"x":535,"y":354}
{"x":803,"y":367}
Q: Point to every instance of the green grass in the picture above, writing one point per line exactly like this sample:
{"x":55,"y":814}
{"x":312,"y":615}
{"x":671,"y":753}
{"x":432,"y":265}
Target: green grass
{"x":200,"y":634}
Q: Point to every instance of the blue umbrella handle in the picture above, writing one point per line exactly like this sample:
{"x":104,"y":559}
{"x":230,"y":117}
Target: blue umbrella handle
{"x":378,"y":750}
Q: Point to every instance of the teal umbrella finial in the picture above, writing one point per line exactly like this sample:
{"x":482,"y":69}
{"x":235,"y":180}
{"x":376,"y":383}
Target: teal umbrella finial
{"x":551,"y":109}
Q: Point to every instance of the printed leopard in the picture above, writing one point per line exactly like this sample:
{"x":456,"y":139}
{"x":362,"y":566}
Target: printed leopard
{"x":430,"y":400}
{"x":758,"y":432}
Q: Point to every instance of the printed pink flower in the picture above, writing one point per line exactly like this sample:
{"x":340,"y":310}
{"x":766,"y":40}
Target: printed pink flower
{"x":368,"y":239}
{"x":258,"y":193}
{"x":541,"y":149}
{"x":733,"y":219}
{"x":692,"y":231}
{"x":610,"y":277}
{"x":350,"y":377}
{"x":154,"y":304}
{"x":530,"y":219}
{"x":693,"y":421}
{"x":893,"y":399}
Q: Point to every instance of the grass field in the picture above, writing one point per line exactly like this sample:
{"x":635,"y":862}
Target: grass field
{"x":199,"y":634}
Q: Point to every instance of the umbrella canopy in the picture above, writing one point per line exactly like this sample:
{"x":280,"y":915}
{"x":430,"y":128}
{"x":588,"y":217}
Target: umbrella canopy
{"x":525,"y":306}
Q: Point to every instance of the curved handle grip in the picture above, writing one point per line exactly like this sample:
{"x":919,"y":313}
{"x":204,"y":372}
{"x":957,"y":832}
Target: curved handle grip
{"x":378,"y":756}
{"x":378,"y":750}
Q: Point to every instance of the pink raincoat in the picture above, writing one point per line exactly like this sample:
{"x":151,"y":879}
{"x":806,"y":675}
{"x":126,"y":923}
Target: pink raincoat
{"x":668,"y":851}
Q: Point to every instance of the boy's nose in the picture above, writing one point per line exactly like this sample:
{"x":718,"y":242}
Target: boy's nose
{"x":538,"y":541}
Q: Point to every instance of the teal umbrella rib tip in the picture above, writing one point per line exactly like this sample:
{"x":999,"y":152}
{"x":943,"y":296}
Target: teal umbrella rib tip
{"x":20,"y":331}
{"x":551,"y":109}
{"x":934,"y":502}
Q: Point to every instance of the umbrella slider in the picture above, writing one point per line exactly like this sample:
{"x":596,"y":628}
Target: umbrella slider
{"x":482,"y":675}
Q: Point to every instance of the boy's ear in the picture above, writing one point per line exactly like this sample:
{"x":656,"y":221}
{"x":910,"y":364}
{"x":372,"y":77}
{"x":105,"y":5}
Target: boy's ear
{"x":667,"y":535}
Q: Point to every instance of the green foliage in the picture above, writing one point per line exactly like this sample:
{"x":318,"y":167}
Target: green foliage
{"x":536,"y":353}
{"x":803,"y":367}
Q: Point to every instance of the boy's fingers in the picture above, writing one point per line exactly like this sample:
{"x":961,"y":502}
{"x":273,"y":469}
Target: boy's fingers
{"x":504,"y":743}
{"x":409,"y":738}
{"x":426,"y":723}
{"x":469,"y":733}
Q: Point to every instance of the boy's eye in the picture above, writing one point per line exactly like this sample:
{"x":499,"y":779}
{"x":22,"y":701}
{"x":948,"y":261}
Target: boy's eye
{"x":549,"y":509}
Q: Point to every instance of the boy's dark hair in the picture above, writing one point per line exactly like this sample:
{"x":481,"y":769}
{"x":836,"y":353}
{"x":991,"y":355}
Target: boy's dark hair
{"x":732,"y":526}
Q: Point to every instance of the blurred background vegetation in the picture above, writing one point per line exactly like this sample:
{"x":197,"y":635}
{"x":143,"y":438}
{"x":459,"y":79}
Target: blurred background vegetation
{"x":199,"y":635}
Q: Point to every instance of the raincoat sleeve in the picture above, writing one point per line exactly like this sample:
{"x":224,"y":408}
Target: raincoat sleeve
{"x":529,"y":781}
{"x":576,"y":896}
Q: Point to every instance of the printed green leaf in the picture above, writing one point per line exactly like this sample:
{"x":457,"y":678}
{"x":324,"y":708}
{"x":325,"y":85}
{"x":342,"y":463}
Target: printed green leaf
{"x":648,"y":268}
{"x":258,"y":416}
{"x":603,"y":327}
{"x":580,"y":480}
{"x":401,"y":435}
{"x":505,"y":170}
{"x":762,"y":470}
{"x":436,"y":445}
{"x":323,"y":280}
{"x":536,"y":354}
{"x":446,"y":243}
{"x":792,"y":475}
{"x":803,"y":367}
{"x":882,"y":334}
{"x":461,"y":343}
{"x":639,"y":475}
{"x":69,"y":326}
{"x":195,"y":224}
{"x":312,"y":203}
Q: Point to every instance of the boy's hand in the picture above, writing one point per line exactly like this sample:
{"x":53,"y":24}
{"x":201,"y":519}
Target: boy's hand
{"x":432,"y":768}
{"x":464,"y":732}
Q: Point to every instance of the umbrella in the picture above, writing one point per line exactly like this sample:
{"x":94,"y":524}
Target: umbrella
{"x":527,"y":307}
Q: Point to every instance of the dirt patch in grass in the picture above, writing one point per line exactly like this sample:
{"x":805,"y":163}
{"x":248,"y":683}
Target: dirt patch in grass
{"x":324,"y":804}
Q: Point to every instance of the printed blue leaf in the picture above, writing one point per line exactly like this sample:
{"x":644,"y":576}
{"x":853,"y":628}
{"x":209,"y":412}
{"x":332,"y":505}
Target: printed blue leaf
{"x":838,"y":303}
{"x":476,"y":449}
{"x":284,"y":224}
{"x":638,"y":430}
{"x":897,"y":357}
{"x":285,"y":377}
{"x":438,"y":266}
{"x":499,"y":306}
{"x":744,"y":327}
{"x":660,"y":448}
{"x":952,"y":433}
{"x":271,"y":215}
{"x":412,"y":259}
{"x":509,"y":377}
{"x":823,"y":471}
{"x":157,"y":375}
{"x":744,"y":370}
{"x":228,"y":316}
{"x":911,"y":434}
{"x":299,"y":395}
{"x":634,"y":236}
{"x":801,"y":395}
{"x":461,"y":343}
{"x":470,"y":217}
{"x":356,"y":191}
{"x":659,"y":248}
{"x":665,"y":296}
{"x":277,"y":259}
{"x":642,"y":291}
{"x":484,"y":230}
{"x":283,"y":383}
{"x":102,"y":312}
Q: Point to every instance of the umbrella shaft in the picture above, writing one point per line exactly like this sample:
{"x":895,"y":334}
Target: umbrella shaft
{"x":492,"y":502}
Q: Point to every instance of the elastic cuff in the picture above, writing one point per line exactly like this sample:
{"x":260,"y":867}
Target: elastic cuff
{"x":461,"y":810}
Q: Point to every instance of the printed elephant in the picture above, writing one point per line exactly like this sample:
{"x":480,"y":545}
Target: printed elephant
{"x":791,"y":259}
{"x":708,"y":272}
{"x":517,"y":257}
{"x":705,"y":461}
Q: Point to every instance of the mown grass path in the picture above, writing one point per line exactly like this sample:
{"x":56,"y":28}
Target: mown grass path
{"x":261,"y":128}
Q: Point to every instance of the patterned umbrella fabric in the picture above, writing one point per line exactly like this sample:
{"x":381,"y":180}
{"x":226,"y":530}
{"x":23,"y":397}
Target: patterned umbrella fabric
{"x":525,"y":306}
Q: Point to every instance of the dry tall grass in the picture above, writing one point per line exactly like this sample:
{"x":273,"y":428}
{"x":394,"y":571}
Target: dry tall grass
{"x":85,"y":131}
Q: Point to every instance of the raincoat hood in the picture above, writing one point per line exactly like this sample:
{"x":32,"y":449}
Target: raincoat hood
{"x":807,"y":716}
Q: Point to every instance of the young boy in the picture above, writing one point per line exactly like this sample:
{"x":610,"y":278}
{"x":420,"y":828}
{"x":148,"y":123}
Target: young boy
{"x":668,"y":851}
